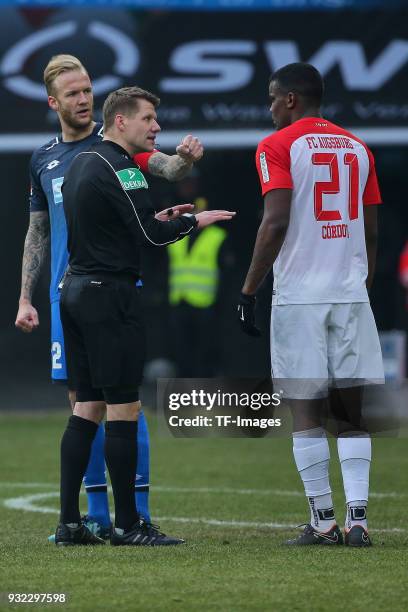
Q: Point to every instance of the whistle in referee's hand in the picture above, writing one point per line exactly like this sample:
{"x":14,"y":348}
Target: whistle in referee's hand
{"x":170,"y":212}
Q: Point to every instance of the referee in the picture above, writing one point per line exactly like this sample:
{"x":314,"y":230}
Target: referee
{"x":110,"y":217}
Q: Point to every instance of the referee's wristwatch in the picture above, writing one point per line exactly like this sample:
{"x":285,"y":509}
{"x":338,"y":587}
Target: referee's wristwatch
{"x":191,"y":218}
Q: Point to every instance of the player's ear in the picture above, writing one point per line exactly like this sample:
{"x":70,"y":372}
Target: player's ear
{"x":120,"y":122}
{"x":291,"y":100}
{"x":52,"y":103}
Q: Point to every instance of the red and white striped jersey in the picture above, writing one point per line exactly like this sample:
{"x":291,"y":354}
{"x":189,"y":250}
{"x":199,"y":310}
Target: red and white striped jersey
{"x":332,"y":174}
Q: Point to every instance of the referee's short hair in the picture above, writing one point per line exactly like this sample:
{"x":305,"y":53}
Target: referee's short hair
{"x":125,"y":101}
{"x":57,"y":65}
{"x":301,"y":78}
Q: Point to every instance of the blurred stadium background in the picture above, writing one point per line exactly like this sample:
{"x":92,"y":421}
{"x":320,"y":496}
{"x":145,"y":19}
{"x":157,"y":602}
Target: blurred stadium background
{"x":209,"y":61}
{"x":210,"y":66}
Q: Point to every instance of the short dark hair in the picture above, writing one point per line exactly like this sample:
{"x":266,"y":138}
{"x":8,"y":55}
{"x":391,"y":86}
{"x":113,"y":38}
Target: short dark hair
{"x":301,"y":78}
{"x":126,"y":101}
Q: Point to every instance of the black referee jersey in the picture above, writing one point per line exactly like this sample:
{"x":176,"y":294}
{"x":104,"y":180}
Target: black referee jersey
{"x":109,"y":213}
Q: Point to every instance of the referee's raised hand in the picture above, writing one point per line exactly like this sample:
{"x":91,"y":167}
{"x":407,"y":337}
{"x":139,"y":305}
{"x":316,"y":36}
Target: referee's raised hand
{"x":208,"y":217}
{"x":204,"y":218}
{"x":172,"y":213}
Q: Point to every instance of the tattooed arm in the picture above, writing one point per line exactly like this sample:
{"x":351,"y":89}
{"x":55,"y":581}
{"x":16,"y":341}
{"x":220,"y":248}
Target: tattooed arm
{"x":176,"y":167}
{"x":35,"y":251}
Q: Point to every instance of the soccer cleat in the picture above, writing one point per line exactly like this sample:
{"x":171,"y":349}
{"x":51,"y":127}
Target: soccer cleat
{"x":143,"y":534}
{"x":311,"y":536}
{"x":71,"y":536}
{"x":357,"y":537}
{"x":96,"y":528}
{"x":93,"y":526}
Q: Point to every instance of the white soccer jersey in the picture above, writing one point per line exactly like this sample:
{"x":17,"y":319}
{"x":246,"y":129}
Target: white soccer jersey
{"x":323,"y":258}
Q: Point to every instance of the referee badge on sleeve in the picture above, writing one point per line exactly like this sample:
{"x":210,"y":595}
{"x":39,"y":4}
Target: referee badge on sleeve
{"x":132,"y":178}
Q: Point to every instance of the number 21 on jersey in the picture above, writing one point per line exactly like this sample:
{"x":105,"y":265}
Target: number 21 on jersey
{"x":333,"y":186}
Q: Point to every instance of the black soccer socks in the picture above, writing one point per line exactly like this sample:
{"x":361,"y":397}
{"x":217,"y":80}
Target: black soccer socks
{"x":121,"y":459}
{"x":75,"y":451}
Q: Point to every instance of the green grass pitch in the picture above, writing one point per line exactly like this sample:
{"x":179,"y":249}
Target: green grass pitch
{"x":234,"y":501}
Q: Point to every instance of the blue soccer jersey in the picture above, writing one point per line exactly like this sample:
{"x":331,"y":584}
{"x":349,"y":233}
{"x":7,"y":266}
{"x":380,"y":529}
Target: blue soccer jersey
{"x":48,"y":165}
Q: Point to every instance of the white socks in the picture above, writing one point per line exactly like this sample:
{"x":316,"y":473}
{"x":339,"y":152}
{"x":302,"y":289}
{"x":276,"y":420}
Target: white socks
{"x":355,"y":458}
{"x":356,"y":514}
{"x":312,"y":455}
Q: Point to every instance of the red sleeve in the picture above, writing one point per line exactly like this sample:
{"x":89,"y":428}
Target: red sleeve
{"x":142,"y":159}
{"x":273,"y":165}
{"x":371,"y":193}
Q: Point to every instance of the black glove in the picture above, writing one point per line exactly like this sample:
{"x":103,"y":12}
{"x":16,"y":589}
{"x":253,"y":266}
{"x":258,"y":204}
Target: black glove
{"x":246,"y":315}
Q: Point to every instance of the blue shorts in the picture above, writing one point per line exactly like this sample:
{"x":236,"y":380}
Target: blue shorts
{"x":58,"y":362}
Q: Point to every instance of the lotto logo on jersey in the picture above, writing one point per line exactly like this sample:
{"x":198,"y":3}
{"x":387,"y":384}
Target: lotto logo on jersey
{"x":132,"y":178}
{"x":264,"y":167}
{"x":56,"y":189}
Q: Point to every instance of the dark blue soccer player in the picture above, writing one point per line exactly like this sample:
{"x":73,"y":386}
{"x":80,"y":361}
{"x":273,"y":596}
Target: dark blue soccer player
{"x":70,"y":95}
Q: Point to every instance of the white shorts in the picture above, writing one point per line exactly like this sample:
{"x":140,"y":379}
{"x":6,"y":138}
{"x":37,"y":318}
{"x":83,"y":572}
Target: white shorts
{"x":314,"y":346}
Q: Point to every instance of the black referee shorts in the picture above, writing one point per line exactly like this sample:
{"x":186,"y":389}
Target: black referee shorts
{"x":104,"y":337}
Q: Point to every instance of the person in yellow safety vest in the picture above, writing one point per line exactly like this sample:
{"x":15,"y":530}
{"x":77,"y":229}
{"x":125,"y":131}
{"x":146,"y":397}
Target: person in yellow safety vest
{"x":194,"y":274}
{"x":194,"y":268}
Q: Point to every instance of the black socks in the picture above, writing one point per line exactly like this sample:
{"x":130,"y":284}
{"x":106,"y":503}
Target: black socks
{"x":75,"y":451}
{"x":121,"y":460}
